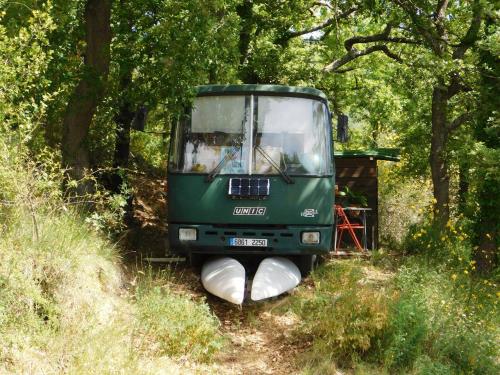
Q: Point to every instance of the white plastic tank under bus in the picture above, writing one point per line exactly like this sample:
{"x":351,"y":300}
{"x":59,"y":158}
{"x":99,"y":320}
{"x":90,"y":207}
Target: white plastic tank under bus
{"x":225,"y":277}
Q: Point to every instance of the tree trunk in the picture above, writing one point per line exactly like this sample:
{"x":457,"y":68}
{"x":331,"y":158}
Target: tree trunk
{"x":486,"y":255}
{"x":463,"y":185}
{"x":487,"y":226}
{"x":245,"y":12}
{"x":123,"y":124}
{"x":123,"y":121}
{"x":438,"y":162}
{"x":88,"y":92}
{"x":375,"y":135}
{"x":122,"y":146}
{"x":246,"y":72}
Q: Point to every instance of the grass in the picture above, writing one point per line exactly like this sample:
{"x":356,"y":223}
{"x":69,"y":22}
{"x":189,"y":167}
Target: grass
{"x":342,"y":317}
{"x":421,"y":320}
{"x":176,"y":324}
{"x":65,"y":305}
{"x":441,"y":324}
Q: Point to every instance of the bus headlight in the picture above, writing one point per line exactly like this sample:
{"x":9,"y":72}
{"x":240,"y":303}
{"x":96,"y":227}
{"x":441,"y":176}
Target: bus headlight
{"x":310,"y":237}
{"x":188,"y":234}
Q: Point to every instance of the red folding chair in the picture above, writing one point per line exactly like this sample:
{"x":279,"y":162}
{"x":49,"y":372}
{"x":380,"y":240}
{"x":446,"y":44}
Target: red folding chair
{"x":343,"y":224}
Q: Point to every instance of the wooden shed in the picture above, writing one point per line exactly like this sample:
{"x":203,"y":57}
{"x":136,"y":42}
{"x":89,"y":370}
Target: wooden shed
{"x":358,"y":171}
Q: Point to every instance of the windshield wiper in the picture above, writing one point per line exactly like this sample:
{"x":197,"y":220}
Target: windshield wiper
{"x":282,"y":172}
{"x":229,"y":156}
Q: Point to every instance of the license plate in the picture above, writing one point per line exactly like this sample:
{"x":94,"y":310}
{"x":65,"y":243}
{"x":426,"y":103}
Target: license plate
{"x":250,"y":242}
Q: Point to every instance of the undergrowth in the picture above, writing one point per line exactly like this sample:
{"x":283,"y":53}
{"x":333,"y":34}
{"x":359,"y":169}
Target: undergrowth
{"x":441,"y":324}
{"x":427,"y":318}
{"x":177,"y":324}
{"x":65,"y":305}
{"x":342,"y":317}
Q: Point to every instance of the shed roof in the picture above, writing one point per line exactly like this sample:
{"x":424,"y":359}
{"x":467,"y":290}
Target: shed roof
{"x":391,"y":154}
{"x":264,"y":89}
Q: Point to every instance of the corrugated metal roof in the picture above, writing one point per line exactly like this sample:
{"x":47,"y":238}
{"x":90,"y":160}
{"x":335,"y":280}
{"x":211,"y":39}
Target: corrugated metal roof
{"x":262,"y":89}
{"x":391,"y":154}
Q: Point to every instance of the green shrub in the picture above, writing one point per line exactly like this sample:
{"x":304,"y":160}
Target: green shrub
{"x":425,"y":365}
{"x":452,"y":246}
{"x":149,"y":150}
{"x":400,"y":204}
{"x":427,"y":319}
{"x":406,"y":333}
{"x":344,"y":317}
{"x":437,"y":324}
{"x":175,"y":324}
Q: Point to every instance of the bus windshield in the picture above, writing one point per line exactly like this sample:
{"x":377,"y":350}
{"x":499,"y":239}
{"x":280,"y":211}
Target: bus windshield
{"x":253,"y":134}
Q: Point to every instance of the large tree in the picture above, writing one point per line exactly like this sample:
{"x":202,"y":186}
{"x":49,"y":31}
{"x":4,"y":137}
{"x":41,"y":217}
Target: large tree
{"x":88,"y":92}
{"x":437,"y":32}
{"x":431,"y":38}
{"x":487,"y":131}
{"x":161,"y":50}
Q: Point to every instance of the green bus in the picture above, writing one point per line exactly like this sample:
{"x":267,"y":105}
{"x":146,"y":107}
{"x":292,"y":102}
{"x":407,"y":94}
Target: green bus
{"x":251,"y":171}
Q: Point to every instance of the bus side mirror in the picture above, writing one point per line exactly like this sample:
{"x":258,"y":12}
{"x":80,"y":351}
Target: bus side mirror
{"x":342,"y":128}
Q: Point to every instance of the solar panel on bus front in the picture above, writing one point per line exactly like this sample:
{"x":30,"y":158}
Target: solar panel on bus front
{"x":243,"y":187}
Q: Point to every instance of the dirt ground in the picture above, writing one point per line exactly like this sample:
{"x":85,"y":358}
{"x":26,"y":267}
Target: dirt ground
{"x":260,"y":338}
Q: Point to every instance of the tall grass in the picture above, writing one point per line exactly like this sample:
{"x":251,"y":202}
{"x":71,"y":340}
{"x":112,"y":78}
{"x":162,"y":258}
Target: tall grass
{"x":425,"y":319}
{"x":441,"y":323}
{"x":60,"y":288}
{"x":344,"y":316}
{"x":176,"y":324}
{"x":65,"y":306}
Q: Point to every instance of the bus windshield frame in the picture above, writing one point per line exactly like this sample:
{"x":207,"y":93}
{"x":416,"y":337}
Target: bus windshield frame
{"x":253,"y":134}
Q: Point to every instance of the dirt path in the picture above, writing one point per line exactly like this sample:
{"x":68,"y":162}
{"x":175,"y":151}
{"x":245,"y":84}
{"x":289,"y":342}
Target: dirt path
{"x":261,"y":339}
{"x":259,"y":334}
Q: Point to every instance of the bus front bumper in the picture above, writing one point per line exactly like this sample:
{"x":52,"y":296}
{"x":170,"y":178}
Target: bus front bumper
{"x":218,"y":239}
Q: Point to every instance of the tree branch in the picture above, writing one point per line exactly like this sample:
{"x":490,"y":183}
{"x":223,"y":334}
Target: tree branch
{"x":354,"y":54}
{"x":384,"y":36}
{"x":328,"y":22}
{"x":425,"y":30}
{"x":440,"y":17}
{"x":456,"y":86}
{"x":349,"y":43}
{"x":345,"y":70}
{"x":457,"y":122}
{"x":470,"y":36}
{"x":441,"y":9}
{"x":322,"y":4}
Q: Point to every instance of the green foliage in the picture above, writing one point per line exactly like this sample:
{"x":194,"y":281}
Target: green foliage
{"x":343,"y":317}
{"x":25,"y":57}
{"x":452,"y":246}
{"x":403,"y":202}
{"x":487,"y":131}
{"x":149,"y":152}
{"x":434,"y":324}
{"x":350,"y":197}
{"x":426,"y":319}
{"x":178,"y":325}
{"x":174,"y":46}
{"x":406,"y":333}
